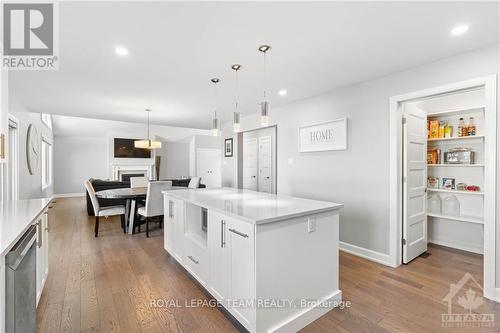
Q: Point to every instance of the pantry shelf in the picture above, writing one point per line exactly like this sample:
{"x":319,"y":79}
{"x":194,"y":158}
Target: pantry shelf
{"x":455,"y":165}
{"x":454,"y":191}
{"x":461,"y":218}
{"x":445,"y":113}
{"x":460,"y":138}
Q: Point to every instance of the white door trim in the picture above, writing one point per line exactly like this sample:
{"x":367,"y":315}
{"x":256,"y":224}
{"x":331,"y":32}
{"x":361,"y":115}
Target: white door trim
{"x":14,"y":155}
{"x":395,"y":187}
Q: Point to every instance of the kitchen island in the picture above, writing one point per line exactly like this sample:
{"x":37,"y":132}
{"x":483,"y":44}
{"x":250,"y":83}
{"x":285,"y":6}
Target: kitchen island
{"x":270,"y":260}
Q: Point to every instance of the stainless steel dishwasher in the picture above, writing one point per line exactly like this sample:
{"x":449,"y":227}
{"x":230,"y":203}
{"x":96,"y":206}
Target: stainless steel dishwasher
{"x":20,"y":314}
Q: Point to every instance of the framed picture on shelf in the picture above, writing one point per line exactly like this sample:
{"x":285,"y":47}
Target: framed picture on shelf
{"x":448,"y":184}
{"x":433,"y":182}
{"x":228,"y":147}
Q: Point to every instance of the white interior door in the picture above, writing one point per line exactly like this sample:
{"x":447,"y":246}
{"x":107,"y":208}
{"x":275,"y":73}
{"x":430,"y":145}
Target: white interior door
{"x":208,"y":165}
{"x":414,"y":182}
{"x":250,"y":164}
{"x":265,"y":164}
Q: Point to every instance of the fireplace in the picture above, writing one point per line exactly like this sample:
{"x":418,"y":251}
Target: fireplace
{"x":126,"y":177}
{"x":124,"y":172}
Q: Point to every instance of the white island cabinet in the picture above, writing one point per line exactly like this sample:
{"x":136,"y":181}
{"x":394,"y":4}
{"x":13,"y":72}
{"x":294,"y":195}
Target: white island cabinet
{"x":270,"y":260}
{"x":16,"y":217}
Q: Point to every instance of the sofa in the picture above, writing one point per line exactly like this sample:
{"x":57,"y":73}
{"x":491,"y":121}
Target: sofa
{"x":101,"y":185}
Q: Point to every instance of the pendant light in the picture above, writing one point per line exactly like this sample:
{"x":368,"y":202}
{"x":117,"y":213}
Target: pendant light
{"x":236,"y":114}
{"x":215,"y":120}
{"x":147,"y":144}
{"x":264,"y":105}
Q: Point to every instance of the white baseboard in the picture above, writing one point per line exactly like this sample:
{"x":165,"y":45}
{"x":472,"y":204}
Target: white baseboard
{"x":457,"y":245}
{"x":309,"y":315}
{"x":365,"y":253}
{"x":497,"y":295}
{"x":68,"y":195}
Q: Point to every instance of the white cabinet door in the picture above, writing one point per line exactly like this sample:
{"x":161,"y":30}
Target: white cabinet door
{"x":219,"y":255}
{"x":42,"y":254}
{"x":178,"y":221}
{"x":265,"y":164}
{"x":241,"y":243}
{"x":415,"y":183}
{"x":208,"y":167}
{"x":250,"y":160}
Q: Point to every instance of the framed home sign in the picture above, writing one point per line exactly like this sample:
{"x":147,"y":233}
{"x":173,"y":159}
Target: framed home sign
{"x":330,"y":135}
{"x":228,"y":147}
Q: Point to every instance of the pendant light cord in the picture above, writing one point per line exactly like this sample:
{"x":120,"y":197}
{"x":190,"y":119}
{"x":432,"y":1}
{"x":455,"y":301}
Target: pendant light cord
{"x":265,"y":76}
{"x":237,"y":91}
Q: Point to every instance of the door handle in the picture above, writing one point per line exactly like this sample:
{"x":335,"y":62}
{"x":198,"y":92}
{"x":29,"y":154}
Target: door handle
{"x":223,"y":234}
{"x":234,"y":231}
{"x":39,"y":240}
{"x":47,"y":228}
{"x":267,"y":177}
{"x":193,"y":260}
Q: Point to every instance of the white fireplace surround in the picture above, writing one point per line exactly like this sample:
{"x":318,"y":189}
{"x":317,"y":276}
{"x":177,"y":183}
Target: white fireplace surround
{"x":117,"y":171}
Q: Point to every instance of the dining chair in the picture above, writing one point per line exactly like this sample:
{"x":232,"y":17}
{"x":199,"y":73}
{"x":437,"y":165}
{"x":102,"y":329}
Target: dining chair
{"x":104,"y":211}
{"x":194,"y":182}
{"x":139,"y":182}
{"x":154,"y":201}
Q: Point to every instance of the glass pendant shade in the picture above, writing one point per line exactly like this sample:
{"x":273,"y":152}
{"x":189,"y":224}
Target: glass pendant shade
{"x":264,"y":114}
{"x":147,"y":143}
{"x":236,"y":122}
{"x":215,"y":126}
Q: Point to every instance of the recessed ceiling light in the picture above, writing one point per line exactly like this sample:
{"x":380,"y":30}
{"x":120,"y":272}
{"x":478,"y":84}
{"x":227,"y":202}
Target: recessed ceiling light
{"x":282,"y":92}
{"x":121,"y":51}
{"x":459,"y":30}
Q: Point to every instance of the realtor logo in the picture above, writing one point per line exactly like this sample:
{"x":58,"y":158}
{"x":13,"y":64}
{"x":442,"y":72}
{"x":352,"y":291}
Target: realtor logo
{"x":29,"y":31}
{"x":467,"y":294}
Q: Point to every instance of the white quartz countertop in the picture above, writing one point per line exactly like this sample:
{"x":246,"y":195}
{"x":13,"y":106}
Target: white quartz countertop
{"x":254,"y":207}
{"x":15,"y":218}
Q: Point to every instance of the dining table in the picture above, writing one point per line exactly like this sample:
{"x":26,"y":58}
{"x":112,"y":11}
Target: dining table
{"x":131,"y":196}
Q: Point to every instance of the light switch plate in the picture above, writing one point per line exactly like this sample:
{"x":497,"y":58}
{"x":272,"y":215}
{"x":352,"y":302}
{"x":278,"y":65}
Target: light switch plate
{"x":311,"y":224}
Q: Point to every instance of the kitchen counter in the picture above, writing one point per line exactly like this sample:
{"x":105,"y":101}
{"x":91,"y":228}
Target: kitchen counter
{"x":251,"y":206}
{"x":15,"y":218}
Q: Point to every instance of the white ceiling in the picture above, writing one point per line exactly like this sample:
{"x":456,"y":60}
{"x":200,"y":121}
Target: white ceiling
{"x":175,"y":48}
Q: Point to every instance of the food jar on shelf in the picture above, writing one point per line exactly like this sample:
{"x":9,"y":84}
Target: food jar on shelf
{"x":434,"y":204}
{"x":451,"y":206}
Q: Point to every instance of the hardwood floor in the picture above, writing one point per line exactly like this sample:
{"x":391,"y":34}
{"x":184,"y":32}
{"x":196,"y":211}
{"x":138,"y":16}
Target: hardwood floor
{"x":107,"y":284}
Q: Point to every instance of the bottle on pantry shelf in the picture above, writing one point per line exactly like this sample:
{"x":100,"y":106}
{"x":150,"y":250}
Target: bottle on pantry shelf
{"x":461,"y":127}
{"x":471,"y":129}
{"x":448,"y":130}
{"x":441,"y":129}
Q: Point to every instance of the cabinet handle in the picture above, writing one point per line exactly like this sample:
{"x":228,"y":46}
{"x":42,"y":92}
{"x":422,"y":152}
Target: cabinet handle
{"x":223,"y":234}
{"x":39,"y":240}
{"x":170,"y":209}
{"x":238,"y":233}
{"x":47,"y":228}
{"x":194,"y":260}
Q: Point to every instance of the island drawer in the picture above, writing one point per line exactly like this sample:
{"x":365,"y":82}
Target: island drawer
{"x":196,"y":260}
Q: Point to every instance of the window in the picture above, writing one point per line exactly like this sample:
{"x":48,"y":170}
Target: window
{"x":47,"y":120}
{"x":46,"y":163}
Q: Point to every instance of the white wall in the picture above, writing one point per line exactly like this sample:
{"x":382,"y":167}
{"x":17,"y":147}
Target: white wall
{"x":174,"y":161}
{"x":85,"y":149}
{"x":77,"y":158}
{"x":30,"y":186}
{"x":359,"y":176}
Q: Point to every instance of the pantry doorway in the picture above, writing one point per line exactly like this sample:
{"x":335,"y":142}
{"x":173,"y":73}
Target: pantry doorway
{"x":442,"y":173}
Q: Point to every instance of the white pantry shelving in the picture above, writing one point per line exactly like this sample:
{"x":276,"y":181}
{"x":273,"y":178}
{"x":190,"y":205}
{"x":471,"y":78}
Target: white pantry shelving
{"x":454,"y":112}
{"x":461,"y":218}
{"x":458,"y":138}
{"x":455,"y":165}
{"x":454,"y":191}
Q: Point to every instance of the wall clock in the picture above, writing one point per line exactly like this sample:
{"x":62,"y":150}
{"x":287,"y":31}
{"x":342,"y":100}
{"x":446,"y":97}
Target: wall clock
{"x":32,"y":149}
